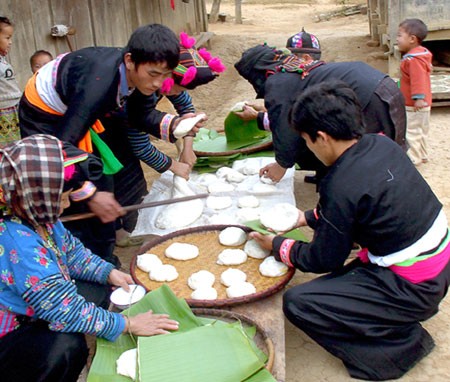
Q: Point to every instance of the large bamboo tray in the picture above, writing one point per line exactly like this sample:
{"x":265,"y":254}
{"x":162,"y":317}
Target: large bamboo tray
{"x":206,"y":238}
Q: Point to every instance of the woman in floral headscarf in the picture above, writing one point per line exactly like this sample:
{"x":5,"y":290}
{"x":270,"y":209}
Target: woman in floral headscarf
{"x":43,"y":316}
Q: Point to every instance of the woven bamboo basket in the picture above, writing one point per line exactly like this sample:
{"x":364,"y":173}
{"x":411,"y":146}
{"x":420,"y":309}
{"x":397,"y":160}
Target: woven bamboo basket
{"x":245,"y":150}
{"x":261,"y":339}
{"x":206,"y":238}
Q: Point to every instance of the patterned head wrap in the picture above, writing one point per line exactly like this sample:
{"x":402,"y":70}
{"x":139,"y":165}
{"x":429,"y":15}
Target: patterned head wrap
{"x":261,"y":61}
{"x":195,"y":67}
{"x":303,"y":42}
{"x":32,"y":177}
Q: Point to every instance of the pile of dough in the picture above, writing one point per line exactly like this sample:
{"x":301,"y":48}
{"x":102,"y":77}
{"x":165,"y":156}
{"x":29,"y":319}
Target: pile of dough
{"x":262,"y":188}
{"x":272,"y":268}
{"x":234,"y":176}
{"x":181,"y":251}
{"x":232,"y":276}
{"x":222,"y":219}
{"x":180,"y":214}
{"x":126,"y":364}
{"x":280,"y":217}
{"x":253,"y":249}
{"x":204,"y":293}
{"x":247,"y":167}
{"x":249,"y":201}
{"x":232,"y":257}
{"x":223,"y":171}
{"x":147,"y":261}
{"x":232,"y":236}
{"x":266,"y":180}
{"x":219,"y":202}
{"x":247,"y":214}
{"x":186,"y":125}
{"x":201,"y":279}
{"x":165,"y":272}
{"x":217,"y":187}
{"x":240,"y":289}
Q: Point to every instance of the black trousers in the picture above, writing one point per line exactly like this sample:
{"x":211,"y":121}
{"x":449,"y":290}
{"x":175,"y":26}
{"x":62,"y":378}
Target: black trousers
{"x":368,"y":317}
{"x":34,"y":353}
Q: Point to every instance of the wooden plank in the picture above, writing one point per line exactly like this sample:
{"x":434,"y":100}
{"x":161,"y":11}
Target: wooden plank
{"x":19,"y":11}
{"x":110,"y":22}
{"x":74,"y":13}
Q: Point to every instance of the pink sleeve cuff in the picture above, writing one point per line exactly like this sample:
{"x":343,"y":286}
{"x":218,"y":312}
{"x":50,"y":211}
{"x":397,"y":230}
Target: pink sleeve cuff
{"x":285,"y":251}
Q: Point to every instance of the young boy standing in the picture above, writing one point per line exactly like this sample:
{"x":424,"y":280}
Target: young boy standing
{"x":415,"y":86}
{"x":10,"y":92}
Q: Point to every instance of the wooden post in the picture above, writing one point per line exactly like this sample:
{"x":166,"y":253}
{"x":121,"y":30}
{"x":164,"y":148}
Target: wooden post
{"x":215,"y":9}
{"x":238,"y":11}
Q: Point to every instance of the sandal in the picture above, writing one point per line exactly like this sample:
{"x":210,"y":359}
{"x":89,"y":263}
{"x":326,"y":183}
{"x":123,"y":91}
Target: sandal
{"x":129,"y":241}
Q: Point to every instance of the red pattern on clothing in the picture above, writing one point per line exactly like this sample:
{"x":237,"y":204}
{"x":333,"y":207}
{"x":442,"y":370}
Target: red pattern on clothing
{"x":285,"y":251}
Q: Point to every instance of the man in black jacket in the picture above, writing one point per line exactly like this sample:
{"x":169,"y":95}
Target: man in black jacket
{"x":279,"y":78}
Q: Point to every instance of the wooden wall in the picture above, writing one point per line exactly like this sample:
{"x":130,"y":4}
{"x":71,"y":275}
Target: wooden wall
{"x":97,"y":22}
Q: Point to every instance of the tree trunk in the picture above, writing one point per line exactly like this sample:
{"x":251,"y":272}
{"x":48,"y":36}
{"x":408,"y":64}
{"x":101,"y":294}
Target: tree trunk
{"x":238,"y":11}
{"x":215,"y":9}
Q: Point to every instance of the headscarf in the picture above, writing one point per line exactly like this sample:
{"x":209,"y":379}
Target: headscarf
{"x":32,"y":174}
{"x":195,"y":67}
{"x":261,"y":61}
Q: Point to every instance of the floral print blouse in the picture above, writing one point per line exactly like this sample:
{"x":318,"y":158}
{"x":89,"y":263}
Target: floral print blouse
{"x":36,"y":281}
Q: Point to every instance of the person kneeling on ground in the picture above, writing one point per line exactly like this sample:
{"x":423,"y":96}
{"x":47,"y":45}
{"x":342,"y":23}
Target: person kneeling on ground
{"x":43,"y":314}
{"x":366,"y":312}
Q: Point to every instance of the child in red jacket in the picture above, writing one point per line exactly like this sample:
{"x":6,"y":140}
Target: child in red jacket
{"x":415,"y":86}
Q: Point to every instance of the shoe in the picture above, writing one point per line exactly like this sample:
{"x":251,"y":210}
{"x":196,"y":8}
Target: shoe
{"x":129,"y":241}
{"x":310,"y":179}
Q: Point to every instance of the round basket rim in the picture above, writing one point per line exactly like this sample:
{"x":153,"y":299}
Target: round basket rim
{"x":218,"y":302}
{"x":244,"y":150}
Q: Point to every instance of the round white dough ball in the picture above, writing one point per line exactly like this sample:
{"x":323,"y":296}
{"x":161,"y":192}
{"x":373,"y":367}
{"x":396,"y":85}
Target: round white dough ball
{"x":232,"y":276}
{"x":181,"y":251}
{"x":232,"y":236}
{"x":204,"y":293}
{"x":240,"y":289}
{"x":201,"y":278}
{"x":232,"y":257}
{"x":249,"y":201}
{"x":126,"y":364}
{"x":165,"y":272}
{"x":217,"y":187}
{"x":218,"y":202}
{"x":234,"y":176}
{"x":223,"y":171}
{"x":266,"y":180}
{"x":280,"y":217}
{"x":272,"y":268}
{"x":253,"y":249}
{"x":263,"y":189}
{"x":147,"y":261}
{"x":222,"y":218}
{"x":247,"y":214}
{"x":247,"y":167}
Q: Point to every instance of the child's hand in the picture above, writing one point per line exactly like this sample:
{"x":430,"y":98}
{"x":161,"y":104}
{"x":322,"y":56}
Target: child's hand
{"x":420,"y":104}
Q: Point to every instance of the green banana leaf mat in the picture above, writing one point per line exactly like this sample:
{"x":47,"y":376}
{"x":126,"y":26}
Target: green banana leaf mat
{"x":203,"y":349}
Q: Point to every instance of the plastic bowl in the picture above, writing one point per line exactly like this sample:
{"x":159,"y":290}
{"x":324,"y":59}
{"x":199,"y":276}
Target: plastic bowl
{"x":123,"y":299}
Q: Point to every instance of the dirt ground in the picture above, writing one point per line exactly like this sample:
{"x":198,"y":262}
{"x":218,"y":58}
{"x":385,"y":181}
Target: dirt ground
{"x":342,"y":39}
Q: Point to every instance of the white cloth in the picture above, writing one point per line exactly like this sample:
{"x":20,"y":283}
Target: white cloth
{"x":162,"y":188}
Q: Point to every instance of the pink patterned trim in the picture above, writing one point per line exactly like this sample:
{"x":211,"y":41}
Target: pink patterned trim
{"x":8,"y":322}
{"x":86,"y":191}
{"x":285,"y":251}
{"x":165,"y":127}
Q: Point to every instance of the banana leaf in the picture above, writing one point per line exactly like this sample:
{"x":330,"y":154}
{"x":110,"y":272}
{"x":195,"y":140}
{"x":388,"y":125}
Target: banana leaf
{"x":163,"y":300}
{"x":212,"y":142}
{"x":211,"y":163}
{"x":238,"y":130}
{"x":262,"y":375}
{"x":295,"y":234}
{"x":219,"y":353}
